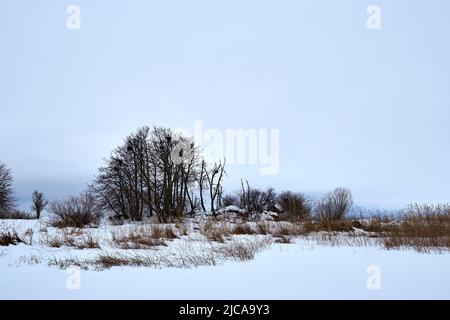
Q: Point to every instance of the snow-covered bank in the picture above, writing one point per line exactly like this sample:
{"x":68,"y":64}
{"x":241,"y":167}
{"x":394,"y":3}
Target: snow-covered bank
{"x":295,"y":271}
{"x":307,"y":268}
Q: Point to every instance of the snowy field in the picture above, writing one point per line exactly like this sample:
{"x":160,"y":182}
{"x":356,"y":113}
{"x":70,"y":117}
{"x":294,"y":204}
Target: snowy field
{"x":303,"y":269}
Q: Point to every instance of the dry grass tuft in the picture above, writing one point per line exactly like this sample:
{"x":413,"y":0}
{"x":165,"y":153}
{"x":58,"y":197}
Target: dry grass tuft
{"x":243,"y":228}
{"x":165,"y":232}
{"x":215,"y":231}
{"x":135,"y":240}
{"x":10,"y":237}
{"x":284,"y":240}
{"x":242,"y":250}
{"x":143,"y":237}
{"x":182,"y":229}
{"x":262,"y":228}
{"x":88,"y":242}
{"x":286,"y":229}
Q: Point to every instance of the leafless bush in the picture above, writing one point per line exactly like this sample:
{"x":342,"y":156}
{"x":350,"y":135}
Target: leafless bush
{"x":295,"y":205}
{"x":334,"y":205}
{"x":78,"y":212}
{"x":230,"y":200}
{"x":255,"y":200}
{"x":17,"y":214}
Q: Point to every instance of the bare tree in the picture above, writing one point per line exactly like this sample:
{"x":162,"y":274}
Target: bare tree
{"x":122,"y":185}
{"x":39,"y":203}
{"x":7,"y":199}
{"x":213,"y":178}
{"x":335,"y":205}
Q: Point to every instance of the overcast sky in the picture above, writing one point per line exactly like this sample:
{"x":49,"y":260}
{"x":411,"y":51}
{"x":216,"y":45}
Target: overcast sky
{"x":359,"y":108}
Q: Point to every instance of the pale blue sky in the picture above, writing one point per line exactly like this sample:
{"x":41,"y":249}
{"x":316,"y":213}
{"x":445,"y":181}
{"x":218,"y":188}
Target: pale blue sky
{"x":358,"y":108}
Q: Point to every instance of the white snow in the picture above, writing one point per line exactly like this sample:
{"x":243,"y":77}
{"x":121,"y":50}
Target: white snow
{"x":301,"y":270}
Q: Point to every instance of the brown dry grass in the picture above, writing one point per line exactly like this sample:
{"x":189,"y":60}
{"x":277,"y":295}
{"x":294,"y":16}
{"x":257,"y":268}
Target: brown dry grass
{"x":243,"y":228}
{"x":88,"y":242}
{"x":135,"y":240}
{"x":423,"y":228}
{"x":9,"y":237}
{"x":242,"y":250}
{"x":143,"y":237}
{"x":62,"y":239}
{"x":284,"y":240}
{"x":216,"y":231}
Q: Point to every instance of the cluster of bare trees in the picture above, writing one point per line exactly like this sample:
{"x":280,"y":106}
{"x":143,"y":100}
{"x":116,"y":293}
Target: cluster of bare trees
{"x":157,"y":172}
{"x":8,"y":200}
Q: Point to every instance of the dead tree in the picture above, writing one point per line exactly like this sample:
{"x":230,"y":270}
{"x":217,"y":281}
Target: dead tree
{"x":214,"y":177}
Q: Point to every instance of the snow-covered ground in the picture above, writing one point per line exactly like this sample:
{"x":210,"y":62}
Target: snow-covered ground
{"x":303,"y":269}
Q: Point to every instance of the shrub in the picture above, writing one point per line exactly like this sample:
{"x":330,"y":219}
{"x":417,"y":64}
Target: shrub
{"x":255,"y":200}
{"x":334,"y":205}
{"x":230,"y":200}
{"x":17,"y":214}
{"x":77,"y":212}
{"x":295,"y":205}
